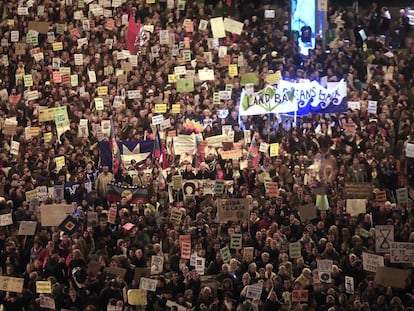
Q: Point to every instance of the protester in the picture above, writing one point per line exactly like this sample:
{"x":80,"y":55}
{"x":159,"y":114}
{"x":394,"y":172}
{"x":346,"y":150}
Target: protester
{"x":206,"y":208}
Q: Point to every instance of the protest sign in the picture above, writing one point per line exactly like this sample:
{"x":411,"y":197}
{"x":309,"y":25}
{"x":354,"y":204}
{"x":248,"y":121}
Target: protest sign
{"x":402,"y":252}
{"x":6,"y":219}
{"x":52,"y":215}
{"x":349,"y":285}
{"x":370,"y":261}
{"x":236,"y":241}
{"x":137,"y":297}
{"x":300,"y":295}
{"x":27,"y":227}
{"x":402,"y":195}
{"x":393,"y":277}
{"x":11,"y":284}
{"x":294,"y":250}
{"x":307,"y":212}
{"x":233,"y":210}
{"x":384,"y":235}
{"x":43,"y":287}
{"x":157,"y":264}
{"x":254,"y":291}
{"x":358,"y":190}
{"x":148,"y":284}
{"x":225,"y":253}
{"x":356,"y":206}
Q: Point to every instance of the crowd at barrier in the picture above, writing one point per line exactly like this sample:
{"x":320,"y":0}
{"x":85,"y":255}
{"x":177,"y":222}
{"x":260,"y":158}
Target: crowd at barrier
{"x":135,"y":176}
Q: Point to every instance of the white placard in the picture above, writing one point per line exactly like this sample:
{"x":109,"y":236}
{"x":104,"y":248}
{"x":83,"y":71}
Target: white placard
{"x":166,"y":124}
{"x":157,"y":264}
{"x":157,"y":119}
{"x":372,"y":106}
{"x":78,"y":59}
{"x":409,"y":151}
{"x":354,"y":105}
{"x":254,"y":291}
{"x":132,"y":94}
{"x":370,"y":261}
{"x":27,"y":227}
{"x":200,"y":264}
{"x":6,"y":220}
{"x":14,"y":36}
{"x":14,"y":148}
{"x":180,"y":70}
{"x":264,"y":147}
{"x":92,"y":76}
{"x":148,"y":284}
{"x":349,"y":285}
{"x":402,"y":252}
{"x":384,"y":235}
{"x":206,"y":74}
{"x":269,"y":14}
{"x":106,"y":127}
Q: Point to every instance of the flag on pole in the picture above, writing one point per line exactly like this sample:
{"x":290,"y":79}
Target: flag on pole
{"x":157,"y":147}
{"x":253,"y":154}
{"x":116,"y":154}
{"x":132,"y":34}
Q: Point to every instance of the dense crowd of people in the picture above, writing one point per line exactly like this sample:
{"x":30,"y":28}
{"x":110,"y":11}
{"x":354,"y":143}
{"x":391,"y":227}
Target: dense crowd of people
{"x":77,"y":55}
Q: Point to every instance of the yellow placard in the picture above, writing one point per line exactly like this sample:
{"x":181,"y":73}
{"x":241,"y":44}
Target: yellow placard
{"x":46,"y":115}
{"x":108,"y":70}
{"x":34,"y":131}
{"x":160,"y":108}
{"x":231,"y":154}
{"x":60,"y":161}
{"x":150,"y":1}
{"x":43,"y":287}
{"x":102,"y":91}
{"x":57,"y":46}
{"x":47,"y":137}
{"x":28,"y":80}
{"x":233,"y":70}
{"x":273,"y":78}
{"x":172,"y":78}
{"x":176,"y":108}
{"x":274,"y":150}
{"x":74,"y":80}
{"x":31,"y":194}
{"x":64,"y":70}
{"x":137,"y":297}
{"x":10,"y":22}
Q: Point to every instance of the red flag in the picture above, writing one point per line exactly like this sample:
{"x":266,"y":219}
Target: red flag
{"x":133,"y":30}
{"x":253,"y":154}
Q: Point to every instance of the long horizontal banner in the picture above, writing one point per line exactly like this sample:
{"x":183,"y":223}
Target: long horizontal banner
{"x":289,"y":97}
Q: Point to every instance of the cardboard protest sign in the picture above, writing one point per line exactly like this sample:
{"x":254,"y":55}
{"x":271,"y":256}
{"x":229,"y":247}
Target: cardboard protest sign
{"x":27,"y":227}
{"x":11,"y":284}
{"x":233,"y":210}
{"x":116,"y":271}
{"x":358,"y":190}
{"x":141,"y":272}
{"x":53,"y":215}
{"x":356,"y":206}
{"x":40,"y":27}
{"x":393,"y":277}
{"x":137,"y":297}
{"x":307,"y":212}
{"x":6,"y":220}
